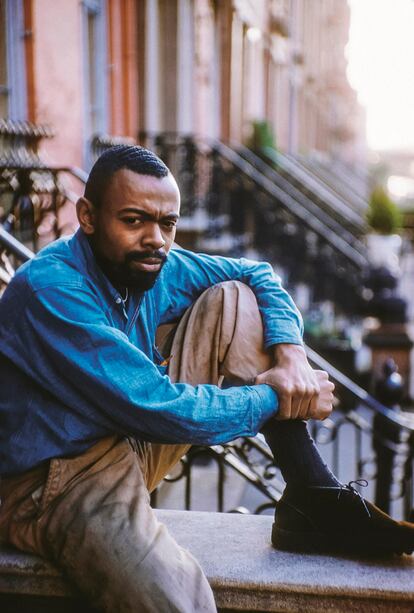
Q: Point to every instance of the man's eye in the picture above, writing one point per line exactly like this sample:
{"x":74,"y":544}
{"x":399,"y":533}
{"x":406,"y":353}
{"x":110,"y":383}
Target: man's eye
{"x":169,"y":224}
{"x":131,"y":220}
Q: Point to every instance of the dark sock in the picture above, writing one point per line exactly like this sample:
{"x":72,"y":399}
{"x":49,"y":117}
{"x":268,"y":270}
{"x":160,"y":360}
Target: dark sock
{"x":296,"y":454}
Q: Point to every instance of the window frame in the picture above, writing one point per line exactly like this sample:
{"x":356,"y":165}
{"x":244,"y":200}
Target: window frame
{"x":99,"y":65}
{"x":15,"y":87}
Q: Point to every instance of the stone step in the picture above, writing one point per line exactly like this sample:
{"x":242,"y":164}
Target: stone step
{"x":246,"y":573}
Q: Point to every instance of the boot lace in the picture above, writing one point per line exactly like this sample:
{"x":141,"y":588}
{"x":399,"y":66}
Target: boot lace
{"x":349,"y":487}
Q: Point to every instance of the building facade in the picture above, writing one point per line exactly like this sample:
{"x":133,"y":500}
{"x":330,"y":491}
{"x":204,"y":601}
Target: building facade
{"x":206,"y":67}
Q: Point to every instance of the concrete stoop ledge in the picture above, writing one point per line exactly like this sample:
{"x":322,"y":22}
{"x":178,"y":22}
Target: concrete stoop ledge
{"x":245,"y":572}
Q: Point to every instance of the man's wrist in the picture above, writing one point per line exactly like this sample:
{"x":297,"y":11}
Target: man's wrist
{"x":268,"y":403}
{"x":287,"y":351}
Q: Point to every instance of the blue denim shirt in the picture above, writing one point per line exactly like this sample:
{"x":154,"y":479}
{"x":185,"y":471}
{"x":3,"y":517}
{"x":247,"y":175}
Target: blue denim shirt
{"x":76,"y":366}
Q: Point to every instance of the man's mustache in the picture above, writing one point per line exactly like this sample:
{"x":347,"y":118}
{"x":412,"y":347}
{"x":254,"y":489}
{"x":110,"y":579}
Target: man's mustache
{"x":139,"y":256}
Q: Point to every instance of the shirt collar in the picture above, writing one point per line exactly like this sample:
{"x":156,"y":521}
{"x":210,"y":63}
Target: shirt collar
{"x":88,"y":265}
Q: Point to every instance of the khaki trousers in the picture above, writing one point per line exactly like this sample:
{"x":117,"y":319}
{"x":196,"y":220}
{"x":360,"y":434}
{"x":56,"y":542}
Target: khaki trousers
{"x":91,"y":514}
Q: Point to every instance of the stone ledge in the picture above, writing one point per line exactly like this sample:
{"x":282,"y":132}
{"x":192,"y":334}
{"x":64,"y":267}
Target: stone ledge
{"x":246,"y":573}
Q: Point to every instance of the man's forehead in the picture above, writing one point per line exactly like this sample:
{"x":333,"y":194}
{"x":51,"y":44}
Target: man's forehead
{"x":130,"y":185}
{"x":126,"y":177}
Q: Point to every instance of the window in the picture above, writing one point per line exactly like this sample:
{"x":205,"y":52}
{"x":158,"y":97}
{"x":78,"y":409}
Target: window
{"x":95,"y":73}
{"x":12,"y":65}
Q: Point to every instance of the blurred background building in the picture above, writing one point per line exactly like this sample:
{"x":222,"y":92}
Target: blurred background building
{"x":204,"y":67}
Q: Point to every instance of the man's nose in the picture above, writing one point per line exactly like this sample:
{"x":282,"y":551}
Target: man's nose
{"x":153,"y":236}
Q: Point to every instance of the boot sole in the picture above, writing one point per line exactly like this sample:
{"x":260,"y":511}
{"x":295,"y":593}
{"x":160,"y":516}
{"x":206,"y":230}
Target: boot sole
{"x":320,"y":542}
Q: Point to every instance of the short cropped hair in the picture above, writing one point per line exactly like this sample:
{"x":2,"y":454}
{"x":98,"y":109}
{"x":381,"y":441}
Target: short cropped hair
{"x":131,"y":157}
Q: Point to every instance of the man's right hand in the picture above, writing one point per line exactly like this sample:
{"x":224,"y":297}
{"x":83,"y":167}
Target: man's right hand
{"x":321,"y":404}
{"x":318,"y":406}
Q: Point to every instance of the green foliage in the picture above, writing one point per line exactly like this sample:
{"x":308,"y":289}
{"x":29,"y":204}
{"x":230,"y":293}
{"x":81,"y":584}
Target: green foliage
{"x":383,"y":215}
{"x":262,"y":136}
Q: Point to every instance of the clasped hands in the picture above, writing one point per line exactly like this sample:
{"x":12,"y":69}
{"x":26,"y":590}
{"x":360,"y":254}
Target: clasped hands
{"x":304,"y":393}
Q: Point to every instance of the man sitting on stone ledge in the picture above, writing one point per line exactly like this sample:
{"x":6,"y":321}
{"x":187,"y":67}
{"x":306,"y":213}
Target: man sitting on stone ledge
{"x":93,"y":414}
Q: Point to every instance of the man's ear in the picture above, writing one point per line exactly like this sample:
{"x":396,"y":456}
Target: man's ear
{"x":86,"y":213}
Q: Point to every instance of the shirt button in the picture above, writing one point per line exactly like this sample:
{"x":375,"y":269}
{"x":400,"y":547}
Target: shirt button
{"x":118,"y":300}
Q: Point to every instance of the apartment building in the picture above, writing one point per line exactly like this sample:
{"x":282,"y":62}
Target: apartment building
{"x":207,"y":67}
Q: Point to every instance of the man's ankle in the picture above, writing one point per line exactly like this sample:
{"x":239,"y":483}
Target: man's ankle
{"x":296,"y":454}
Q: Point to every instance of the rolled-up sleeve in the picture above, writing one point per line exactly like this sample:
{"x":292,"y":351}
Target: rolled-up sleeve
{"x":188,"y":274}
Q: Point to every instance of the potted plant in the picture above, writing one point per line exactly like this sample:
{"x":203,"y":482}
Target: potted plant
{"x":261,"y":135}
{"x":384,"y":242}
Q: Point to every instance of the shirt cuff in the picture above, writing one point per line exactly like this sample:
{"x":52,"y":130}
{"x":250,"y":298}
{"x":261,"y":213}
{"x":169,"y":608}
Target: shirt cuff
{"x":282,"y":332}
{"x":267,"y":405}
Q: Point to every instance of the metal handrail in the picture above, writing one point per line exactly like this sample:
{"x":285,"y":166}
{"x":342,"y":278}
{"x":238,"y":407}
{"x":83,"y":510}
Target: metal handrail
{"x":305,"y":171}
{"x":15,"y":247}
{"x":76,"y":172}
{"x":337,"y":242}
{"x":404,"y":420}
{"x":318,"y":187}
{"x":342,"y":188}
{"x":330,"y":219}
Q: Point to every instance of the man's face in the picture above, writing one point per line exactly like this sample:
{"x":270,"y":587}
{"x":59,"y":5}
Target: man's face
{"x":132,"y":231}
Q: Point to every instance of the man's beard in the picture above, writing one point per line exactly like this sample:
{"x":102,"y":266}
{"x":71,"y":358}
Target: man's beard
{"x":124,"y":274}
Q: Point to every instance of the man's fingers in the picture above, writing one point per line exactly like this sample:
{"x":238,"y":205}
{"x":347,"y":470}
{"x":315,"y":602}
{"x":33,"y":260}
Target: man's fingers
{"x":306,"y":404}
{"x":284,"y":395}
{"x":285,"y":406}
{"x":300,"y":397}
{"x":321,"y":406}
{"x":296,"y":403}
{"x":297,"y":398}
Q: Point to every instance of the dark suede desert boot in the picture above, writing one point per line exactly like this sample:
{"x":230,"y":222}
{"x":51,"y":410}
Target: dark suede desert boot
{"x":337,"y":520}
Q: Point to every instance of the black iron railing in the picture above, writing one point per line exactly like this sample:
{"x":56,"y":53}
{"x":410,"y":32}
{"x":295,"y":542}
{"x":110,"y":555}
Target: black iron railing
{"x":102,"y":142}
{"x":32,"y":199}
{"x":19,"y":142}
{"x":316,"y":198}
{"x":352,"y":188}
{"x":12,"y":254}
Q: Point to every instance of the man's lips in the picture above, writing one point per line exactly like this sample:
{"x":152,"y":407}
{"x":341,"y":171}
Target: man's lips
{"x":148,"y":264}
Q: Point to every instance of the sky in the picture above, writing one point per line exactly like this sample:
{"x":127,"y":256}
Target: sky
{"x":381,"y":68}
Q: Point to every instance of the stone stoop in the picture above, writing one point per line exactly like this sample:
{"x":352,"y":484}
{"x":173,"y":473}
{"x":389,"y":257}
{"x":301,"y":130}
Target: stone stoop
{"x":245,"y":572}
